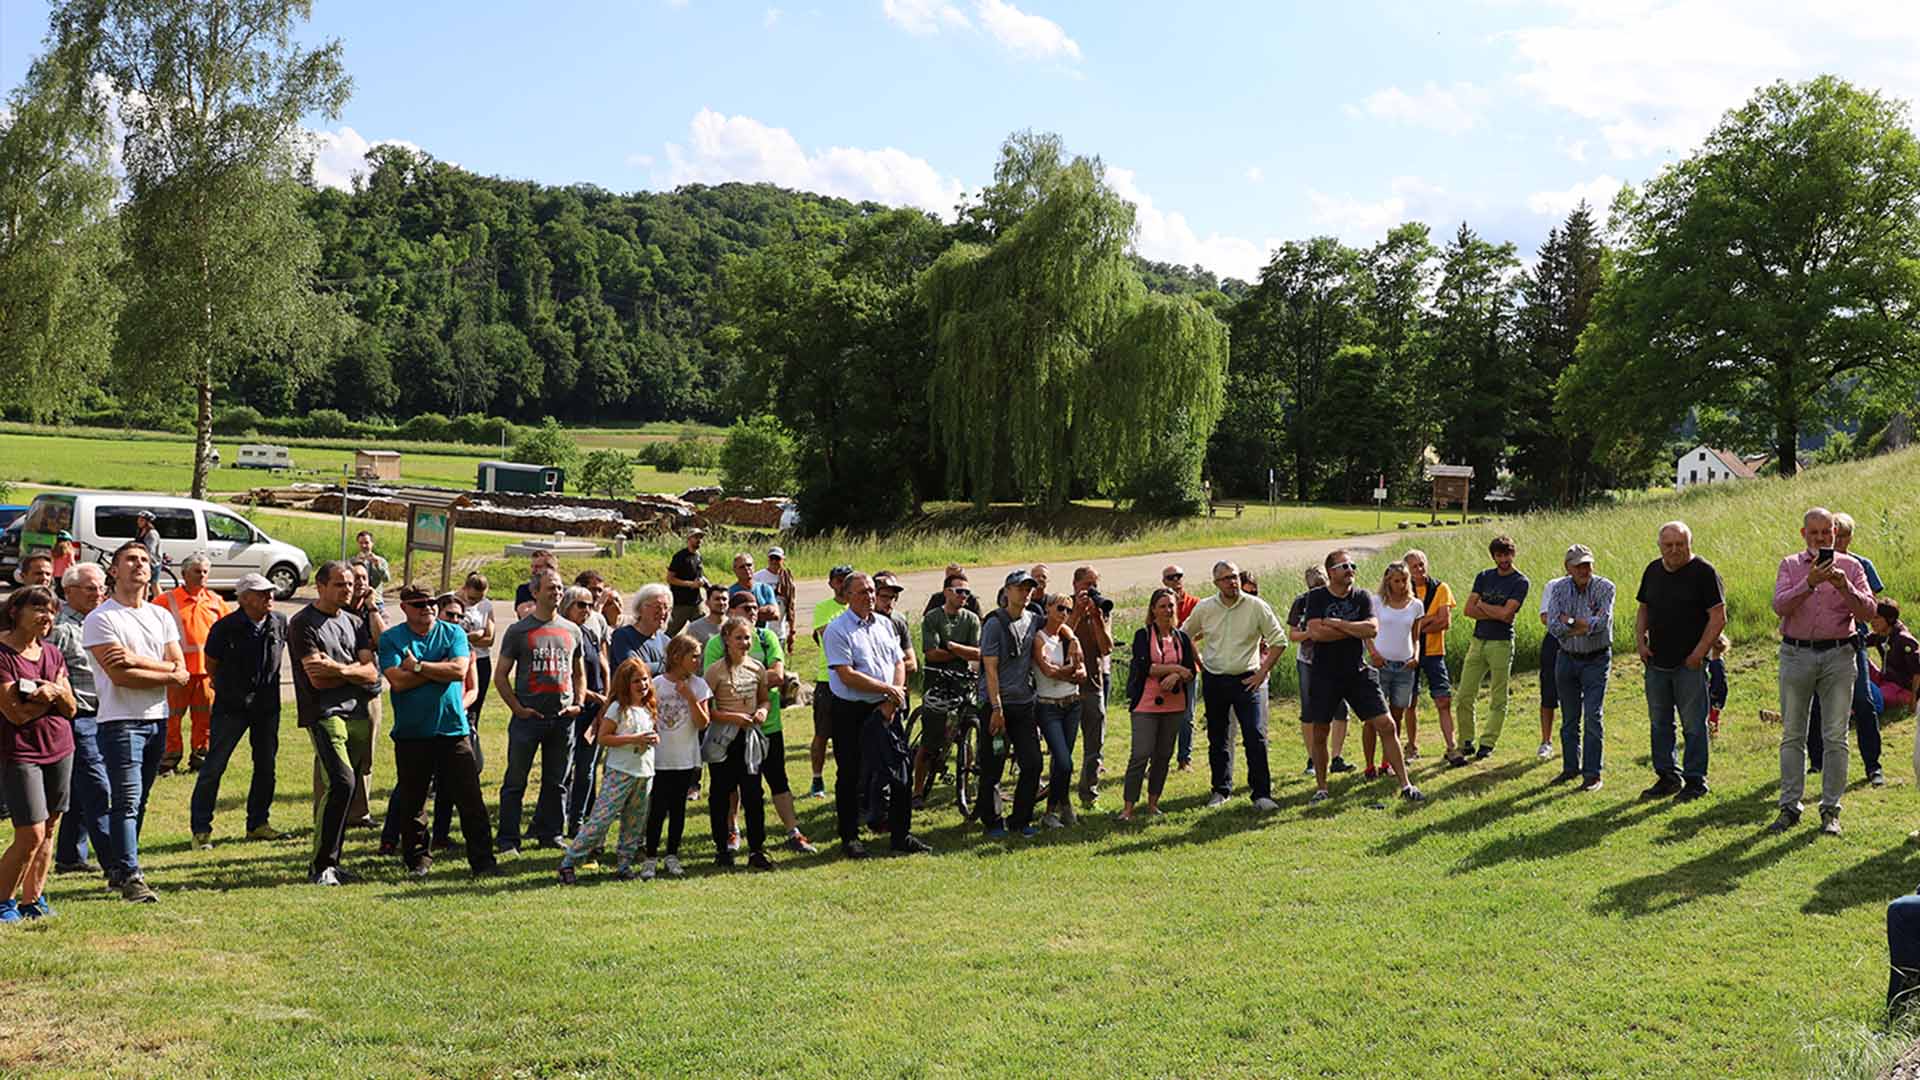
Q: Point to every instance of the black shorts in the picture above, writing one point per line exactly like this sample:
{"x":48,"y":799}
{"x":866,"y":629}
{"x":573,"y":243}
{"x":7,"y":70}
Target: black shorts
{"x":36,"y":792}
{"x":1355,"y":688}
{"x":774,"y":768}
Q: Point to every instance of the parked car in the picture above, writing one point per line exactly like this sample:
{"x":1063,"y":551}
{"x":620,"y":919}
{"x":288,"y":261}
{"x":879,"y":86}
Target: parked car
{"x":10,"y":513}
{"x":103,"y":520}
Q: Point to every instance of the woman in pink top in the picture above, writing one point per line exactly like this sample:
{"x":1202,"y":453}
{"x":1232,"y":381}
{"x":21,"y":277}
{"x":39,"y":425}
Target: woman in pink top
{"x":36,"y":749}
{"x":1158,"y":683}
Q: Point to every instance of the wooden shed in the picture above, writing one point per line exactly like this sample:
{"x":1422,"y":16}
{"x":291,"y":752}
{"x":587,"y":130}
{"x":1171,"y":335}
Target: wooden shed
{"x":377,"y":465}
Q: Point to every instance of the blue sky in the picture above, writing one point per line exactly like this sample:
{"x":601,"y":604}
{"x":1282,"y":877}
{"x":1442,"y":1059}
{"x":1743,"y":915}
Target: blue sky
{"x":1234,"y":125}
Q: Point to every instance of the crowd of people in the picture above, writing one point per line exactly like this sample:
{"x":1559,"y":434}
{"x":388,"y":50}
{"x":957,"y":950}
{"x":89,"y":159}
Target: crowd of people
{"x":633,"y":708}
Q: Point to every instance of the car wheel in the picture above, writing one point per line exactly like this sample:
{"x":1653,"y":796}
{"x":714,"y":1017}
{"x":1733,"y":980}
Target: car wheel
{"x":285,"y":579}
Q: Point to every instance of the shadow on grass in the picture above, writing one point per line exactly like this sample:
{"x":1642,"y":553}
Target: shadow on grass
{"x":1561,"y":839}
{"x":1717,"y":873}
{"x":1875,"y":881}
{"x":1481,"y":813}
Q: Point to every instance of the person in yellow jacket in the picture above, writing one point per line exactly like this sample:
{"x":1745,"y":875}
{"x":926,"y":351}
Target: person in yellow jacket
{"x":195,"y":608}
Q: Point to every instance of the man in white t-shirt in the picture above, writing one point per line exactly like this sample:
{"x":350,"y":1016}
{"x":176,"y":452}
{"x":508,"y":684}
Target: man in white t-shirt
{"x":780,"y":579}
{"x":135,"y":647}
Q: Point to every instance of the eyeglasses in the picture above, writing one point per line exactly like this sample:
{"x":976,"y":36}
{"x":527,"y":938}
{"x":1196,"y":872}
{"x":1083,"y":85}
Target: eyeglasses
{"x":1063,"y":608}
{"x":423,"y":605}
{"x":1343,"y":566}
{"x":961,"y":593}
{"x":1171,"y":577}
{"x":1224,"y":578}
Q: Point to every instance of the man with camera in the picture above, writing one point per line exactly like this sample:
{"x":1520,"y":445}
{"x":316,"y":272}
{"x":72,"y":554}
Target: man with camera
{"x":1092,"y":622}
{"x":1818,"y":593}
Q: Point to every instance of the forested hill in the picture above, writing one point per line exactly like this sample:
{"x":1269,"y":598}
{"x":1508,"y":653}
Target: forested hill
{"x":477,"y":294}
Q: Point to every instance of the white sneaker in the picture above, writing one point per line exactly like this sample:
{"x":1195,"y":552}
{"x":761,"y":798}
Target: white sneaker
{"x":1216,"y":799}
{"x":329,"y":876}
{"x":646,"y":870}
{"x":672,"y":865}
{"x":1545,"y":751}
{"x":1265,"y":805}
{"x":1052,"y":821}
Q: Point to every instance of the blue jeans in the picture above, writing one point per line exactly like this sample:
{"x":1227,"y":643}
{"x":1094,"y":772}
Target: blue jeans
{"x":552,"y":741}
{"x":1681,"y":690}
{"x":1582,"y":685}
{"x":1185,"y":740}
{"x":581,"y":795}
{"x":1058,"y":725}
{"x":260,"y":726}
{"x":131,"y":751}
{"x":85,"y":822}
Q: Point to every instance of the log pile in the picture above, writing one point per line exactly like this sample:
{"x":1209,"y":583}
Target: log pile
{"x":750,"y":513}
{"x":575,"y":515}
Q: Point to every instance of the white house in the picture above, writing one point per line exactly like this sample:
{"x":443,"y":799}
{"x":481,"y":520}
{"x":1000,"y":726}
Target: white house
{"x":1705,"y":465}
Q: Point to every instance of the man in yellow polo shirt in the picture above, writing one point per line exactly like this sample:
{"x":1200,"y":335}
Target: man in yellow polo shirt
{"x":1240,"y":639}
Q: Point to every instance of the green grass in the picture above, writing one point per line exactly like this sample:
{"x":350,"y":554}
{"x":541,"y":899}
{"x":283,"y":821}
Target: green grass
{"x":160,"y":462}
{"x":1507,"y":928}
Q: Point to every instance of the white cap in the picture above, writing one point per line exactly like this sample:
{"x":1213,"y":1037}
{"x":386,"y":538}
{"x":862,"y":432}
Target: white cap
{"x":254,"y":583}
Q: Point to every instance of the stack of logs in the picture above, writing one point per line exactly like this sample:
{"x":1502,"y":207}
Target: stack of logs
{"x":642,"y":515}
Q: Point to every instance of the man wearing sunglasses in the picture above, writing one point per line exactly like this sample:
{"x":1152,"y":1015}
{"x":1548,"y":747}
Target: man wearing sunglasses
{"x":426,"y":661}
{"x":1233,"y":665}
{"x":1340,"y":620}
{"x":950,"y":638}
{"x":1173,"y":577}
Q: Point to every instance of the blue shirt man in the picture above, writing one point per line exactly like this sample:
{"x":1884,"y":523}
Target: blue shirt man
{"x":431,"y":709}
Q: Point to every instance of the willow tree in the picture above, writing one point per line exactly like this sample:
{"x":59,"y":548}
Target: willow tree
{"x":213,"y":95}
{"x":1051,"y":365}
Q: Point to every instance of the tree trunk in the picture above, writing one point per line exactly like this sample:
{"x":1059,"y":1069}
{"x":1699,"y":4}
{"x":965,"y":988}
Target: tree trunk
{"x":203,"y":432}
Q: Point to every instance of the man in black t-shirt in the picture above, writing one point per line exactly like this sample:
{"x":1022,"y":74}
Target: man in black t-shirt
{"x":1683,"y":608}
{"x":688,"y":580}
{"x":1496,"y":598}
{"x":1340,"y":619}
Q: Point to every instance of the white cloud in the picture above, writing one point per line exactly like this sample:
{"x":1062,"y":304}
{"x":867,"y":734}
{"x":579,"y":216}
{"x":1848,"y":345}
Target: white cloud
{"x":1598,"y":193}
{"x":1024,"y":34}
{"x":1366,"y":221}
{"x":1575,"y":149}
{"x":1165,"y":236}
{"x":339,"y":155}
{"x":1255,"y":174}
{"x":924,"y":16}
{"x":1449,"y":109}
{"x":772,"y":17}
{"x":1032,"y":36}
{"x":722,"y":148}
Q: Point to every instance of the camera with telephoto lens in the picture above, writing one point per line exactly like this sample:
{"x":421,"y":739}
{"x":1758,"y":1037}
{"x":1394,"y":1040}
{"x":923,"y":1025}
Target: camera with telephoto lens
{"x":1105,"y":605}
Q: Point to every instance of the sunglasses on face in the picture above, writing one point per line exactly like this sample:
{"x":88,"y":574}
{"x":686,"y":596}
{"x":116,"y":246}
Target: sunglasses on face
{"x":961,"y":593}
{"x":1343,"y":566}
{"x":1063,"y":608}
{"x":1172,"y":577}
{"x":423,"y":605}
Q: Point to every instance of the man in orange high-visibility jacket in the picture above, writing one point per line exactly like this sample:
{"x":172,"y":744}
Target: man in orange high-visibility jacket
{"x":195,"y":608}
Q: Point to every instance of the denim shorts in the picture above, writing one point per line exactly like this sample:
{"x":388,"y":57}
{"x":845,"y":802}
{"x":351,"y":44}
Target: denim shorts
{"x":1396,"y":682}
{"x":1433,"y":669}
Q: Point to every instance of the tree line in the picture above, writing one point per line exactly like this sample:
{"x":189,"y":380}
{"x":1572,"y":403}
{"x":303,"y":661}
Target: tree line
{"x":1757,"y":295}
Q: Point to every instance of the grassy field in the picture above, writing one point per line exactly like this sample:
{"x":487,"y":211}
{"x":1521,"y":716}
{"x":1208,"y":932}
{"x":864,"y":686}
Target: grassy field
{"x":151,"y":462}
{"x":1506,"y":928}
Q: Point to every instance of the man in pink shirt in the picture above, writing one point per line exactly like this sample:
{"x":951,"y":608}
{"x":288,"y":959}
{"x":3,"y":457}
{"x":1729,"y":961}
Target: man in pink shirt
{"x":1818,"y":594}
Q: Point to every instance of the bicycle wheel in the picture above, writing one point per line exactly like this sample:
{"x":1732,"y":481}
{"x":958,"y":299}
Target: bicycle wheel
{"x":966,"y":768}
{"x":916,"y":731}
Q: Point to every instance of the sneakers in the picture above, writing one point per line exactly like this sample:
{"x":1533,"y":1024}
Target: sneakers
{"x":997,"y":832}
{"x":9,"y":911}
{"x":1265,"y":806}
{"x":1787,"y":820}
{"x":624,"y":873}
{"x":1319,"y":796}
{"x":1308,"y":771}
{"x":693,"y":793}
{"x":1410,"y":752}
{"x":1595,"y":784}
{"x":913,"y":845}
{"x":1830,"y":821}
{"x":1877,"y":778}
{"x":203,"y":841}
{"x":1413,"y":794}
{"x":1339,"y":764}
{"x":1030,"y":831}
{"x":671,"y":864}
{"x":567,"y":875}
{"x":723,"y":859}
{"x":854,"y":849}
{"x":134,"y":890}
{"x":39,"y":909}
{"x":647,"y":869}
{"x":265,"y":832}
{"x":1371,"y":773}
{"x":1483,"y":753}
{"x":346,"y":876}
{"x":759,"y":861}
{"x":1467,"y":749}
{"x":818,"y":790}
{"x":1565,"y":775}
{"x":797,"y":841}
{"x":1052,"y":821}
{"x":328,"y":877}
{"x":1663,"y":787}
{"x":733,"y":840}
{"x":1545,"y":751}
{"x":1455,"y":759}
{"x":1069,"y":817}
{"x":1216,"y":799}
{"x":1690,"y":792}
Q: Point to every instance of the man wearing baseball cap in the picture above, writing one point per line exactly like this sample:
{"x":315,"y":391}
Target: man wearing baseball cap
{"x":825,"y":612}
{"x":777,"y":577}
{"x":428,"y":665}
{"x":1007,"y":695}
{"x":1580,"y":618}
{"x":243,"y":653}
{"x":687,"y":577}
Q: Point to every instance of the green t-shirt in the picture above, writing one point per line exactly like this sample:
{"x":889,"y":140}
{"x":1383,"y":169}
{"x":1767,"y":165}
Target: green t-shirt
{"x":766,"y":649}
{"x":939,"y":629}
{"x":825,"y":612}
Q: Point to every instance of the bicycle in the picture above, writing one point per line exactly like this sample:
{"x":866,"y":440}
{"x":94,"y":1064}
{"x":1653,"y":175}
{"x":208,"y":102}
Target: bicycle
{"x":164,"y":577}
{"x":951,"y":698}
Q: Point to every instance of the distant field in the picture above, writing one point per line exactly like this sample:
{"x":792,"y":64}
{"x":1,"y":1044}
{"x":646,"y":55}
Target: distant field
{"x":164,"y":463}
{"x":632,"y":438}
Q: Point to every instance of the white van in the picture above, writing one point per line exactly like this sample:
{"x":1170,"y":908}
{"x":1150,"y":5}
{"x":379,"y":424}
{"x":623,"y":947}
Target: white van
{"x":103,"y":520}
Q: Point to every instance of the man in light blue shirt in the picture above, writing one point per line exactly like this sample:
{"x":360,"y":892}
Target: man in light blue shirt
{"x":867,"y":676}
{"x":1580,"y":617}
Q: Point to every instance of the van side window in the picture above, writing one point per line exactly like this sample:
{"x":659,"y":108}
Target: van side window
{"x":223,"y":527}
{"x":172,"y":522}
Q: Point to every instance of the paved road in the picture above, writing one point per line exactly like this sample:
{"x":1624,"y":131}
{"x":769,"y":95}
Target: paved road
{"x":1124,"y":574}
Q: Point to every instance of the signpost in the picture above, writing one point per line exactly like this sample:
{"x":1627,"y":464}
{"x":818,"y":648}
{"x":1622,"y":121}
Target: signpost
{"x":430,"y":528}
{"x":1452,"y":485}
{"x":1379,"y":501}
